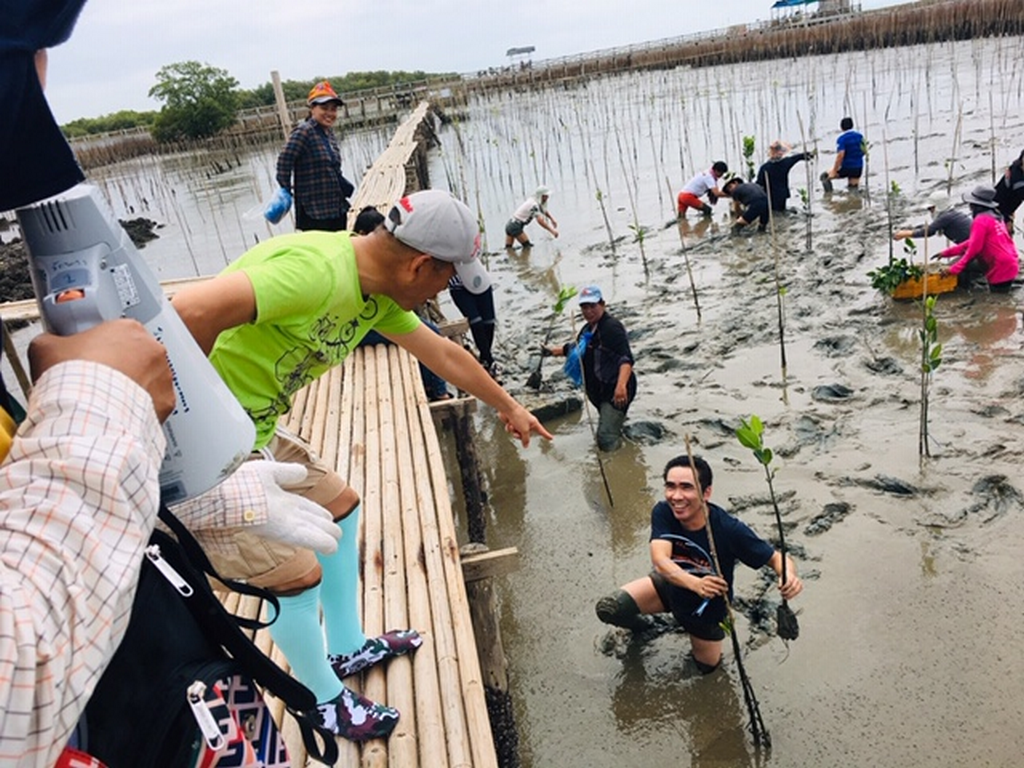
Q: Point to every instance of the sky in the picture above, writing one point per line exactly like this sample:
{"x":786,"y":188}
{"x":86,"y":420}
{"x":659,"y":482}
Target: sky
{"x":111,"y":60}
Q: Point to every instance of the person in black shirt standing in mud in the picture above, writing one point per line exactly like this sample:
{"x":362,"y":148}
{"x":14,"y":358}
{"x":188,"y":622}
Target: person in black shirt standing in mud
{"x":773,"y":176}
{"x":607,"y":366}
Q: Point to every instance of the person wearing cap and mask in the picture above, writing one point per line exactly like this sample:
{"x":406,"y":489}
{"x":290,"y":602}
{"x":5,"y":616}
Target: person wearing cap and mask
{"x":535,"y":207}
{"x":773,"y":175}
{"x":309,"y":166}
{"x":274,"y":320}
{"x":989,"y":242}
{"x":946,"y":221}
{"x":607,"y":366}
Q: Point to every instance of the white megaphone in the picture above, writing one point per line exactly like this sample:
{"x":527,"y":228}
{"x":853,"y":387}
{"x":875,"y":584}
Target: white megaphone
{"x":86,"y":270}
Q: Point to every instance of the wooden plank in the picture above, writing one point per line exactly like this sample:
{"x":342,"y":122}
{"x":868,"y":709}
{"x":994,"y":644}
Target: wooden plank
{"x":457,"y":406}
{"x":449,"y":328}
{"x":496,"y":563}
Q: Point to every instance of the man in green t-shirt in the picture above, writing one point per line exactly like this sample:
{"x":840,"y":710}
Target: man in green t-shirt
{"x":280,"y":316}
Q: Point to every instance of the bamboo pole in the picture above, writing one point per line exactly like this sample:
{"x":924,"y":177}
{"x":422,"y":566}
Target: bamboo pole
{"x":416,"y":494}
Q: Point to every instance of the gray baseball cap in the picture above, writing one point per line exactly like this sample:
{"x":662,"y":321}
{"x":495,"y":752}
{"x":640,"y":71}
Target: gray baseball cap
{"x":436,"y":223}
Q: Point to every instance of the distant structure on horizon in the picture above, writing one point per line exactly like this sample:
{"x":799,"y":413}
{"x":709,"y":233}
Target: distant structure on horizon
{"x":825,"y":7}
{"x":520,"y":55}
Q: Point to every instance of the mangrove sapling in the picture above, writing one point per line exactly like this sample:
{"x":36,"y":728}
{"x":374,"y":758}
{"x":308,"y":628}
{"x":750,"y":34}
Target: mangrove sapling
{"x":758,"y":731}
{"x":564,"y":294}
{"x":931,"y":358}
{"x":748,"y":156}
{"x":751,"y":435}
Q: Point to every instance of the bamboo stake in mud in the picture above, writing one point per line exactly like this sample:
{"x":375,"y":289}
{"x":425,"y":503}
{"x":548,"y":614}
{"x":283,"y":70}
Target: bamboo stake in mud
{"x":780,"y":289}
{"x":890,"y":189}
{"x":686,"y":257}
{"x":590,"y":418}
{"x":810,"y":181}
{"x":758,"y":731}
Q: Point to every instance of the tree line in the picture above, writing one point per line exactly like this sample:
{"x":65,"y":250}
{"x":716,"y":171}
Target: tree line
{"x":200,"y":100}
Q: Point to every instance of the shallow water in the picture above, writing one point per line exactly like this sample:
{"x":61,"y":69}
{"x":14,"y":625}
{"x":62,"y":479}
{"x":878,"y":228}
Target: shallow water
{"x":909,"y":653}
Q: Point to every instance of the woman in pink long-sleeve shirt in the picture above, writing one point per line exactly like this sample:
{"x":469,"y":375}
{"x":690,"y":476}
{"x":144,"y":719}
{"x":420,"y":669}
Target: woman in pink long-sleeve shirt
{"x":989,"y":241}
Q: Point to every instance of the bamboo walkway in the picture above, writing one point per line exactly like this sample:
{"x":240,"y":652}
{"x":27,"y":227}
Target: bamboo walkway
{"x":401,"y":167}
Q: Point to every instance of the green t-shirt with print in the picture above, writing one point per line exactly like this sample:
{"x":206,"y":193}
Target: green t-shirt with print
{"x":310,"y":314}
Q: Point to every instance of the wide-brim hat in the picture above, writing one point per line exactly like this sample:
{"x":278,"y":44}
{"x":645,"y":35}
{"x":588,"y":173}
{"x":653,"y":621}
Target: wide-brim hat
{"x":983,"y":195}
{"x":438,"y":224}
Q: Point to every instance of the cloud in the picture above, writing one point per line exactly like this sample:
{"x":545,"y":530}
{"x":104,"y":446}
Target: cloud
{"x":111,"y":59}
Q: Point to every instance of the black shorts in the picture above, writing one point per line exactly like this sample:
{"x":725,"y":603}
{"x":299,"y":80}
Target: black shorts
{"x":850,"y":173}
{"x":683,"y":602}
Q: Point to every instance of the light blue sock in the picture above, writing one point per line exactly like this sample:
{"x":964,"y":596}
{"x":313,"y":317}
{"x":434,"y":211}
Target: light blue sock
{"x":298,"y":634}
{"x":339,"y":591}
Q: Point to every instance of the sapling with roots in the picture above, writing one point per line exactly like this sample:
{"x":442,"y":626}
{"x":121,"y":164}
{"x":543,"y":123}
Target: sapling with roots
{"x":931,"y":359}
{"x":751,"y":435}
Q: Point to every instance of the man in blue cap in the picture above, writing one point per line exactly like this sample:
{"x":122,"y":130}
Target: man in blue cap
{"x":607,"y":369}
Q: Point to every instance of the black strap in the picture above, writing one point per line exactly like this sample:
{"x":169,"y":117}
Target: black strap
{"x":224,"y":629}
{"x":198,"y":557}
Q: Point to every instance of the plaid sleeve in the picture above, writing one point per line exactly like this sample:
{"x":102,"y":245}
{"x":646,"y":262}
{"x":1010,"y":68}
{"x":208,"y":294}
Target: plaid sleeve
{"x":78,"y":499}
{"x":238,"y":501}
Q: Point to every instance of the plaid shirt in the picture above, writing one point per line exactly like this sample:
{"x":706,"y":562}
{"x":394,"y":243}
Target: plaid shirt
{"x":317,"y":170}
{"x":78,"y":499}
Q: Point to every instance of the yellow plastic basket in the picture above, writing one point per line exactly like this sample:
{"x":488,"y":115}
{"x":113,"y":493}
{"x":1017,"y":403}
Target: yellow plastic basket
{"x":914,"y":287}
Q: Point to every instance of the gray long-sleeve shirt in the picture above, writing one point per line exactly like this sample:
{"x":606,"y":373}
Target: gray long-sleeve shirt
{"x":951,"y":223}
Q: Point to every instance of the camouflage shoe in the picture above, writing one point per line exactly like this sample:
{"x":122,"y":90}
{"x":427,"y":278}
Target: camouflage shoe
{"x":376,"y":649}
{"x":356,"y":718}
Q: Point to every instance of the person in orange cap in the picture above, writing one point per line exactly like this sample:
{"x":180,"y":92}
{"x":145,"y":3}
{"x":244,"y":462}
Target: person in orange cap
{"x":309,"y":166}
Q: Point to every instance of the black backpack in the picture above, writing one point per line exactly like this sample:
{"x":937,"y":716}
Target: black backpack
{"x":140,"y":716}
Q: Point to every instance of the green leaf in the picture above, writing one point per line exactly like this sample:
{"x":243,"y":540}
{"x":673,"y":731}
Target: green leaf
{"x":747,"y":438}
{"x":566,"y":293}
{"x":764,"y":456}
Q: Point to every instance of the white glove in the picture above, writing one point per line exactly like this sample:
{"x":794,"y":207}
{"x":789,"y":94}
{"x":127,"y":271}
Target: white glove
{"x":292,"y":519}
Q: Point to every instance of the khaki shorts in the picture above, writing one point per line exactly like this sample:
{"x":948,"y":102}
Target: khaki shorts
{"x":238,"y":554}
